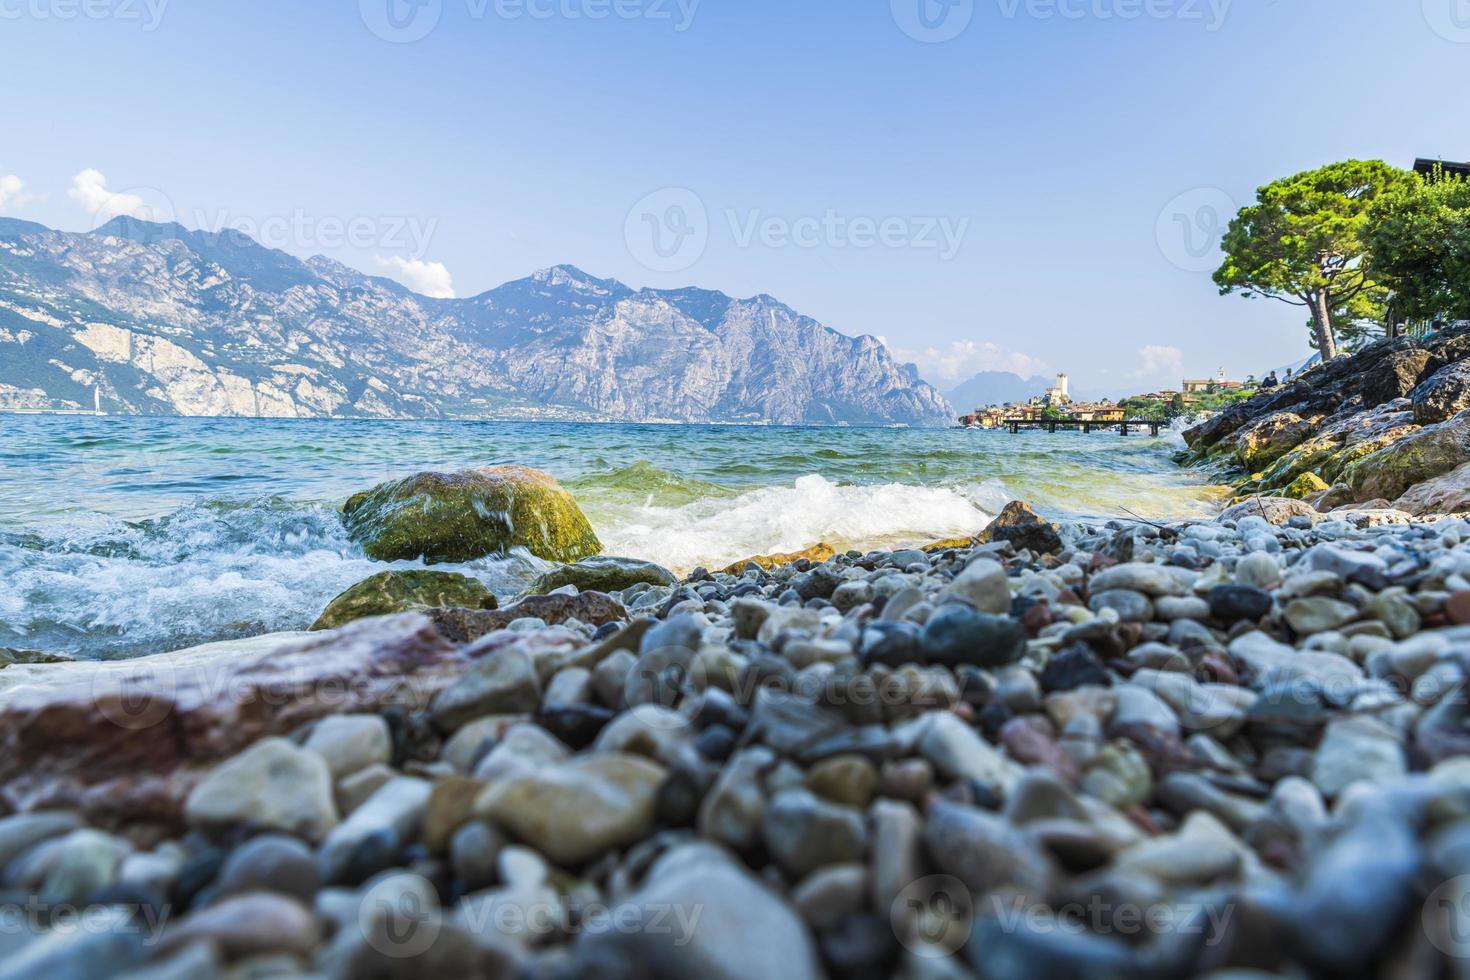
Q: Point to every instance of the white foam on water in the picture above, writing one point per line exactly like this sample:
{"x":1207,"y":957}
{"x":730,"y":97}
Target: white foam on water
{"x":201,"y":574}
{"x":775,"y":520}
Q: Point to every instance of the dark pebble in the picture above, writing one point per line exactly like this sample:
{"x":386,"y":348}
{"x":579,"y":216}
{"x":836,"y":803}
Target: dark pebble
{"x":577,"y":725}
{"x":957,"y":635}
{"x":1232,"y":604}
{"x":1072,"y":668}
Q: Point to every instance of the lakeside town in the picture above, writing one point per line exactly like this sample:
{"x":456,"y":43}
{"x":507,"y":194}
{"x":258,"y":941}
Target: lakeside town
{"x":1056,"y":404}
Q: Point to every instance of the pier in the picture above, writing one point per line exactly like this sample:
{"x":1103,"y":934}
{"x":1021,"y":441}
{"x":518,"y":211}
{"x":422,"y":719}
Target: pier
{"x":1124,"y":426}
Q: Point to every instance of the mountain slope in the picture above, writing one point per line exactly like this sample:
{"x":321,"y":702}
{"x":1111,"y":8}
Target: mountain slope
{"x":996,"y":388}
{"x":165,"y":320}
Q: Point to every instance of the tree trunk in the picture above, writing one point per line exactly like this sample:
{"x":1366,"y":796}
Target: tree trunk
{"x":1321,"y":307}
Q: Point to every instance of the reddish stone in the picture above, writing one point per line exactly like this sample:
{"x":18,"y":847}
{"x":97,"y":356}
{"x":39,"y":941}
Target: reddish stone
{"x":1036,"y":618}
{"x":1215,"y":669}
{"x":1457,"y":608}
{"x":125,"y":738}
{"x":1028,"y":742}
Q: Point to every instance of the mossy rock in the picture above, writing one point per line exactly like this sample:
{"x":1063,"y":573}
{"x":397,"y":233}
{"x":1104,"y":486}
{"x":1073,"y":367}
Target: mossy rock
{"x":394,"y":592}
{"x":604,"y":573}
{"x":458,"y":517}
{"x":1304,"y":486}
{"x":816,"y":554}
{"x":1418,"y":457}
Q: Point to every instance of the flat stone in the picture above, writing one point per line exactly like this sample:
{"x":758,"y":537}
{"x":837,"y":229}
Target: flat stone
{"x":578,"y":809}
{"x":746,"y":931}
{"x":605,"y":573}
{"x":271,"y":863}
{"x":88,"y":731}
{"x":505,"y":682}
{"x":956,"y":635}
{"x":804,"y":832}
{"x":1318,"y":614}
{"x":273,"y":785}
{"x":451,"y":803}
{"x":244,"y":925}
{"x":984,"y":584}
{"x":523,"y":748}
{"x":846,"y":779}
{"x":1358,"y":750}
{"x":983,"y":851}
{"x":22,"y":831}
{"x":464,"y":626}
{"x":959,"y":753}
{"x":1274,"y":510}
{"x":368,"y":840}
{"x":1233,"y":603}
{"x":731,"y":811}
{"x":1131,"y":606}
{"x":351,"y":742}
{"x":1151,"y":580}
{"x":831,"y":894}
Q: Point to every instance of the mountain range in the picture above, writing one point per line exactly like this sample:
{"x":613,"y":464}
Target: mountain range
{"x":164,"y":320}
{"x":996,"y":388}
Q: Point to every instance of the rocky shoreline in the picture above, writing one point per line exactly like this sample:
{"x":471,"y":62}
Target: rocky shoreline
{"x":1073,"y":750}
{"x":1388,"y":428}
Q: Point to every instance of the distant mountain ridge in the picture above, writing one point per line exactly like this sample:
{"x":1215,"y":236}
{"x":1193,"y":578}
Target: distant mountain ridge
{"x":996,"y":388}
{"x":166,"y":320}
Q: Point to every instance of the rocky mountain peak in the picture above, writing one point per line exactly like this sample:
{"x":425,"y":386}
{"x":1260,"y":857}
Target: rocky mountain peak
{"x":164,"y":319}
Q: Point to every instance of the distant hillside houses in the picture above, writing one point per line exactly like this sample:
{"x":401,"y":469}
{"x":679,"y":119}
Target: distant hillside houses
{"x":1057,"y":403}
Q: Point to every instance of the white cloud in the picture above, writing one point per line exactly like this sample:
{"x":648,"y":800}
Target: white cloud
{"x":1160,"y":365}
{"x":963,"y":359}
{"x":13,"y":194}
{"x":430,"y":279}
{"x":89,"y":189}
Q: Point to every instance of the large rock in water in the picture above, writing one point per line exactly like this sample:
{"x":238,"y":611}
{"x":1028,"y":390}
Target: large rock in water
{"x":457,"y":517}
{"x":605,"y":573}
{"x":407,"y":591}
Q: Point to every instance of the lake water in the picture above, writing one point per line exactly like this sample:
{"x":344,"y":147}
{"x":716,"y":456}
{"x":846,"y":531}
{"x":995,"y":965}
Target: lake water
{"x":121,"y":536}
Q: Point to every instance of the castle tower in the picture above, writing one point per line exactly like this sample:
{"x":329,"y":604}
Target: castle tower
{"x":1062,"y":387}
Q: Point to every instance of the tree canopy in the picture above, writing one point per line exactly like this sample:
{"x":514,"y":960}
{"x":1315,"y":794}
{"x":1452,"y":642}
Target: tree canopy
{"x":1419,"y":243}
{"x":1303,"y":242}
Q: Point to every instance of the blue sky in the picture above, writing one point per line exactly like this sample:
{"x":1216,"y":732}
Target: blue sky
{"x":1030,"y":194}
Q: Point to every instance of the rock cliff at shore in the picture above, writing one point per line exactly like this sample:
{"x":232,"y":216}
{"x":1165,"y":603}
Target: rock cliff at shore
{"x":1390,"y":424}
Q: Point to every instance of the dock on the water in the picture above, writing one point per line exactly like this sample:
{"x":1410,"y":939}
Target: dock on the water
{"x":1124,"y":426}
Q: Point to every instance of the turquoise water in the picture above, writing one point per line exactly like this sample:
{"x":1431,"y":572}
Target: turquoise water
{"x":120,"y":536}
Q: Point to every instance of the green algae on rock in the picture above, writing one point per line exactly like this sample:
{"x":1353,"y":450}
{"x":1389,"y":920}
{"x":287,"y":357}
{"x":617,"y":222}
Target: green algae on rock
{"x":1305,"y":485}
{"x":406,"y":591}
{"x":457,"y":517}
{"x":604,"y":573}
